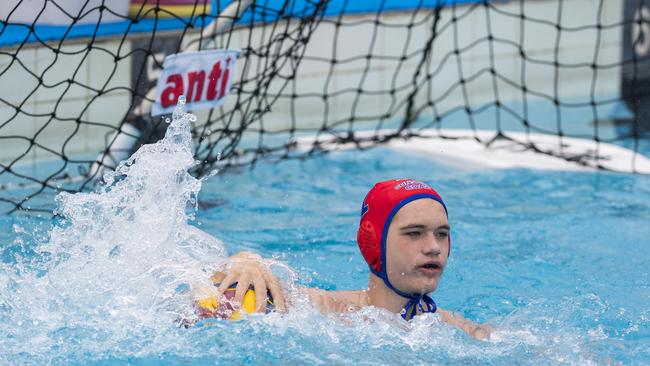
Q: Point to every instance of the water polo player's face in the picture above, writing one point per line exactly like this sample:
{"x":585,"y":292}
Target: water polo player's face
{"x":417,"y":246}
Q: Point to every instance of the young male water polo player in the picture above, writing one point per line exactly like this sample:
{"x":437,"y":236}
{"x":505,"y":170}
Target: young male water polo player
{"x":404,"y":237}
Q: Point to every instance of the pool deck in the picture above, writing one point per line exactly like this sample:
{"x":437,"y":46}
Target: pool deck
{"x":509,"y":150}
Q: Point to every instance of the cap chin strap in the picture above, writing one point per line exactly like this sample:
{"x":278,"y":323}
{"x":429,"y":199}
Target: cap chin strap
{"x":422,"y":302}
{"x":416,"y":303}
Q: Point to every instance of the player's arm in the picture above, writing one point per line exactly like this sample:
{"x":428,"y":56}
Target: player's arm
{"x":246,"y":268}
{"x":478,"y":331}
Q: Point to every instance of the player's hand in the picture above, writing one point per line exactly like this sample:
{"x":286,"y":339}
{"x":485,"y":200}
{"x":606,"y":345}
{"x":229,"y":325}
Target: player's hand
{"x":248,"y":269}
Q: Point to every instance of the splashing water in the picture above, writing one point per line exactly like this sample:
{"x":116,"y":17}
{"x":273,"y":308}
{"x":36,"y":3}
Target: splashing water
{"x":114,"y":269}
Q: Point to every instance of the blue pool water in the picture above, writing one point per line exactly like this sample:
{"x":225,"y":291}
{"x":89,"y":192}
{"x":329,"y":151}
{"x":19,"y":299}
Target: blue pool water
{"x":555,"y":261}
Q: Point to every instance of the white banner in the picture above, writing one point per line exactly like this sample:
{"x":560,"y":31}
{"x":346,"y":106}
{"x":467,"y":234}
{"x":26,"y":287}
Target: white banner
{"x":204,"y":77}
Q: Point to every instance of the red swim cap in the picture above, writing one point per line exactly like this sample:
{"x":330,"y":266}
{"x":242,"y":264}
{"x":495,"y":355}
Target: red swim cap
{"x":380,"y":205}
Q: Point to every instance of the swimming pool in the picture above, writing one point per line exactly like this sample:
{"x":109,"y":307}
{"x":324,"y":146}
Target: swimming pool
{"x":556,"y":261}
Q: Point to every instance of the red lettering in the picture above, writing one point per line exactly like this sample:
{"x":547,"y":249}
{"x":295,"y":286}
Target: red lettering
{"x":212,"y":85}
{"x":224,"y":82}
{"x":170,"y":94}
{"x":195,"y":85}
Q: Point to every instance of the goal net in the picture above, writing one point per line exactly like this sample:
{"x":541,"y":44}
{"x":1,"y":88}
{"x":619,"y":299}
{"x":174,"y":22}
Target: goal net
{"x":78,"y":78}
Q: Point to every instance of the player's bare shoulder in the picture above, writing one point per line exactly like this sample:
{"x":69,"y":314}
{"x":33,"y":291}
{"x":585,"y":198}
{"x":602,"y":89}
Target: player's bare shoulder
{"x":336,"y":301}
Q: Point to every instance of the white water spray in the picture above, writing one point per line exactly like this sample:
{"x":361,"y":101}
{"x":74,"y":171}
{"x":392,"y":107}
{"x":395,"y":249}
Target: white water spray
{"x":120,"y":261}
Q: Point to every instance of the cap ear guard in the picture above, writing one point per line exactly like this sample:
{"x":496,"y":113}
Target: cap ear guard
{"x":367,"y":235}
{"x":366,"y":238}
